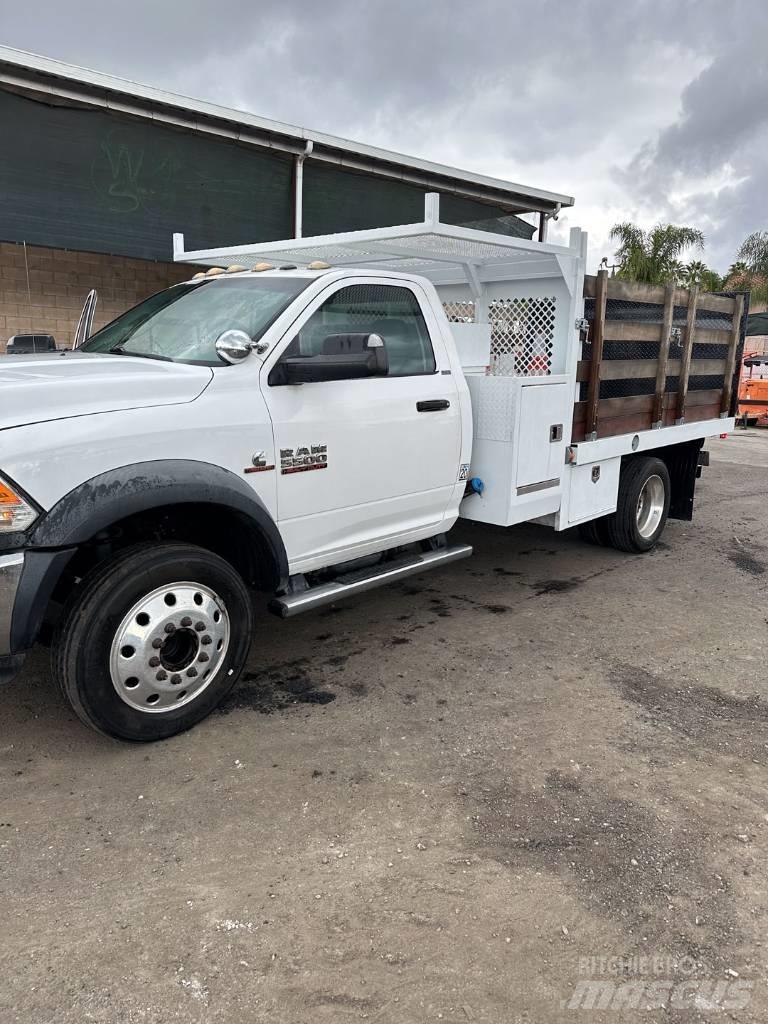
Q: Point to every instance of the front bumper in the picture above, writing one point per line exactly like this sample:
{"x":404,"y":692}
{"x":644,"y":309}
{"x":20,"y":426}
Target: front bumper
{"x":11,"y":568}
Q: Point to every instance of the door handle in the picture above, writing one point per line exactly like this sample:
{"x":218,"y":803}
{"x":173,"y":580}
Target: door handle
{"x":433,"y":405}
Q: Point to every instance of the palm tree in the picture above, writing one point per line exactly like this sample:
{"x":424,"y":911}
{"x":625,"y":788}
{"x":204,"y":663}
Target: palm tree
{"x":737,"y":270}
{"x":754,"y":252}
{"x":653,"y":256}
{"x":750,"y":271}
{"x":676,"y":271}
{"x":711,"y":281}
{"x":693,"y":272}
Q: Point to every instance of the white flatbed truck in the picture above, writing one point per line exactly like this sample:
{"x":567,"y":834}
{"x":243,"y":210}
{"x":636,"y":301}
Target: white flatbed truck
{"x":310,"y":418}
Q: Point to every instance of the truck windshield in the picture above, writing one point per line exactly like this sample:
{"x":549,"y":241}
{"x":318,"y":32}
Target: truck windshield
{"x":182,"y":323}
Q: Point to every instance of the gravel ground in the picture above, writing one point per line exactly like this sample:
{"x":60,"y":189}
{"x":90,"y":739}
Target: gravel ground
{"x":456,"y":799}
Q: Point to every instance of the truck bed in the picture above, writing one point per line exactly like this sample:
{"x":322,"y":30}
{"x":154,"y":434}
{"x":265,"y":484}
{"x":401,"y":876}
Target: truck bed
{"x":655,"y":356}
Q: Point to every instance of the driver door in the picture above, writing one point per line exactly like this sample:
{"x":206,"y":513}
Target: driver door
{"x":365,"y":464}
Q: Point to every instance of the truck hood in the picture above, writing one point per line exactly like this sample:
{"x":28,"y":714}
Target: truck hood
{"x":57,"y":385}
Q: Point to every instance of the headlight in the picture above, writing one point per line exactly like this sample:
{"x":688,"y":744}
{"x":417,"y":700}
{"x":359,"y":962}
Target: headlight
{"x":16,"y":514}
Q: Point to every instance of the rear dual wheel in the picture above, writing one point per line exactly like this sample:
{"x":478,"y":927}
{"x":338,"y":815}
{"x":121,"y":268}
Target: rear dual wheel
{"x":153,"y":640}
{"x":642,"y":508}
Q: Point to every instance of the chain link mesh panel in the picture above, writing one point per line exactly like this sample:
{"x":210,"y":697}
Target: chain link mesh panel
{"x":460,"y":312}
{"x":522,"y":333}
{"x":640,"y":312}
{"x":630,"y":350}
{"x":522,"y":336}
{"x":653,"y":313}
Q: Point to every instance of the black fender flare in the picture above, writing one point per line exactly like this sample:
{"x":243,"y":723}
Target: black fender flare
{"x":96,"y":504}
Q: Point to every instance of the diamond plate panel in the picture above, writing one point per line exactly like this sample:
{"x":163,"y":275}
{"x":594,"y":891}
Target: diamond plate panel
{"x":494,"y":407}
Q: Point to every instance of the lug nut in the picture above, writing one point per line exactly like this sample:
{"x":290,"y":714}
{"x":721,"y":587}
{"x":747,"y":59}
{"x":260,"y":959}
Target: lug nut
{"x":175,"y":679}
{"x":191,"y":672}
{"x":206,"y":640}
{"x":170,"y":628}
{"x":202,"y":656}
{"x":199,"y":627}
{"x":186,"y":621}
{"x":154,"y":661}
{"x":157,"y":643}
{"x":161,"y":675}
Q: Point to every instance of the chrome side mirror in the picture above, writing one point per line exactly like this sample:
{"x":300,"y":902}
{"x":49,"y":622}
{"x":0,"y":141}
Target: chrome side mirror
{"x":233,"y":346}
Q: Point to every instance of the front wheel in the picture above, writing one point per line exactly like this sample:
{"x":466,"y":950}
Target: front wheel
{"x":642,"y":506}
{"x":153,"y":640}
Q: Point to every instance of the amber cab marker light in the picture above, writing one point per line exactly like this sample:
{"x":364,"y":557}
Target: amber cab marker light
{"x":7,"y":496}
{"x":15,"y":513}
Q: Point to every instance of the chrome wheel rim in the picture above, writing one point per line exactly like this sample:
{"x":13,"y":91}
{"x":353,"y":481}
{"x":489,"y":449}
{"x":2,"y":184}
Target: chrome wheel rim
{"x":650,"y":506}
{"x":169,"y":647}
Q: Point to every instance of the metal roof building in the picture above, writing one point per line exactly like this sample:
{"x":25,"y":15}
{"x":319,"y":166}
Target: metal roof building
{"x":99,"y":165}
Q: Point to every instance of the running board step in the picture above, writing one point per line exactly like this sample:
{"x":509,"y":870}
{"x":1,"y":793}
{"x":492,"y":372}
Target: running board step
{"x":327,"y":593}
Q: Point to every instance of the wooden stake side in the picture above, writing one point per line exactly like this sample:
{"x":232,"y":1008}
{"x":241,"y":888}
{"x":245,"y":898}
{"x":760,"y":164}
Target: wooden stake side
{"x":730,"y":361}
{"x":685,"y":362}
{"x":661,"y":372}
{"x":598,"y":335}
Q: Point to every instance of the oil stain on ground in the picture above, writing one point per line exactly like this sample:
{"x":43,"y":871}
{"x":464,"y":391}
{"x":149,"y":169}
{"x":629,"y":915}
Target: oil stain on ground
{"x":623,"y":861}
{"x":275,"y":689}
{"x":746,"y":561}
{"x":720,"y":721}
{"x":555,"y":586}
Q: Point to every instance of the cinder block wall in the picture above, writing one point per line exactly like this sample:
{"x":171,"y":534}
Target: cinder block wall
{"x":59,"y":281}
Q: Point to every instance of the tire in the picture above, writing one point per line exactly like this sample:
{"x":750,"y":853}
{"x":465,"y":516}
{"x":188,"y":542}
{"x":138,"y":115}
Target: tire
{"x":594,"y":532}
{"x":642,"y":506}
{"x":153,"y":640}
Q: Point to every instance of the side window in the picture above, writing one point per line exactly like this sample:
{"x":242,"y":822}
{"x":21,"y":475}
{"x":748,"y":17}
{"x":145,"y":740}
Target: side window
{"x":386,"y":310}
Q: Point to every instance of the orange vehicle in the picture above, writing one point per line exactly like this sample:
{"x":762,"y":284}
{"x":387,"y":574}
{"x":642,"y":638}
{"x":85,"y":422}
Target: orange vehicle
{"x":753,"y":390}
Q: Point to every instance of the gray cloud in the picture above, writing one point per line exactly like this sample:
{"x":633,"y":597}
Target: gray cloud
{"x":711,"y":165}
{"x":639,"y":109}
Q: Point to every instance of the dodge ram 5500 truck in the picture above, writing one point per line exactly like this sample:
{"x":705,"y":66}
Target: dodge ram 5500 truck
{"x":310,"y":418}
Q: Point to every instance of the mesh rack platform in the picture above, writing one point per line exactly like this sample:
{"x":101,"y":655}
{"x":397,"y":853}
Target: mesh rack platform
{"x":443,"y":253}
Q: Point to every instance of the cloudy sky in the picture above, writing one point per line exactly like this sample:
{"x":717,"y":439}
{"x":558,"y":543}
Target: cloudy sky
{"x":643,"y":110}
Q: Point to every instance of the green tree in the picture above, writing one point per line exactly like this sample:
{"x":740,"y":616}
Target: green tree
{"x":692,"y":272}
{"x":754,"y":253}
{"x":653,"y":256}
{"x":698,"y":273}
{"x":711,"y":281}
{"x":676,"y":271}
{"x":750,"y":271}
{"x":736,"y":270}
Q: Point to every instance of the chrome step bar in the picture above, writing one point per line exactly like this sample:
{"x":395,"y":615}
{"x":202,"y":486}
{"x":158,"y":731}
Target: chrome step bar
{"x":327,"y":593}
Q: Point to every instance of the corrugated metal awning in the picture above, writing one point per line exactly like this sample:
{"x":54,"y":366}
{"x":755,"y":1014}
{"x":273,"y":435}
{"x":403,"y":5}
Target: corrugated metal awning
{"x":33,"y":75}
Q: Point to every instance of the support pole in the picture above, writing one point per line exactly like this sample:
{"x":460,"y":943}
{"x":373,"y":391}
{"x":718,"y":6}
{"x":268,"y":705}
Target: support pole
{"x":685,"y":362}
{"x":598,"y":334}
{"x":431,"y":207}
{"x":479,"y":295}
{"x":298,"y":190}
{"x":730,"y":360}
{"x":661,"y":372}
